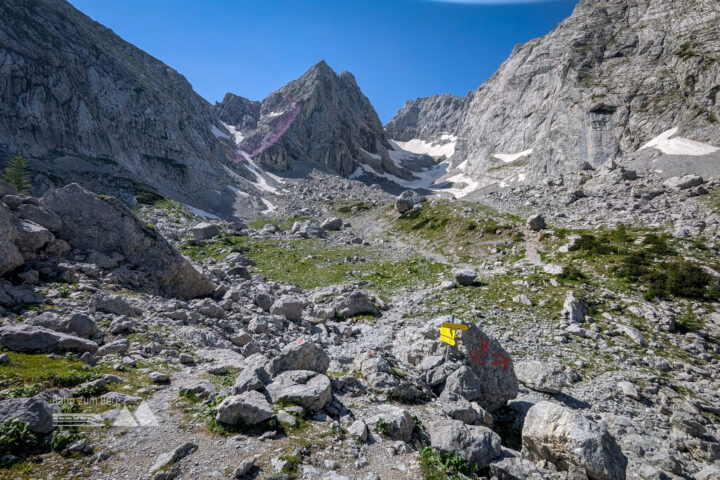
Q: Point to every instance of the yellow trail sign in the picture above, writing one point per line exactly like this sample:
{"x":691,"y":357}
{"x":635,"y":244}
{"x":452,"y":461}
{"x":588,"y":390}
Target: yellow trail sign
{"x":448,"y":331}
{"x":448,"y":340}
{"x":447,"y":335}
{"x":453,"y":326}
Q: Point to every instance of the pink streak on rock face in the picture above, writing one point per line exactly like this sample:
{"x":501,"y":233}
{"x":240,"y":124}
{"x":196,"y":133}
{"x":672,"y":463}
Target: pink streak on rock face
{"x":287,"y":119}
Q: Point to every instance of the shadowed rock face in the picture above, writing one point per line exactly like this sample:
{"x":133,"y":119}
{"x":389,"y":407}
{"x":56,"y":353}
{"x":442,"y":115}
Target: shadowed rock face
{"x":107,"y":226}
{"x":81,"y":103}
{"x":426,"y":118}
{"x":320,"y":120}
{"x":605,"y":81}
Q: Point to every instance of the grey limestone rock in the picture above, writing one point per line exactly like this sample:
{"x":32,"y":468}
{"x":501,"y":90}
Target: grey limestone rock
{"x":35,"y":412}
{"x":310,"y":390}
{"x":27,"y":338}
{"x":106,"y":225}
{"x":249,"y":408}
{"x":566,"y":438}
{"x":477,"y":445}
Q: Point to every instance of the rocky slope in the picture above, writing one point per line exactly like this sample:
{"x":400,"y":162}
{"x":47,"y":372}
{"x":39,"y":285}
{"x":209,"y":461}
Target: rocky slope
{"x":607,"y":80}
{"x":321,"y":120}
{"x":82,"y":104}
{"x":315,"y":352}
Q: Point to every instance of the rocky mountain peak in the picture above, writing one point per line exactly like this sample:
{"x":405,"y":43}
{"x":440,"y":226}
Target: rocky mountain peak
{"x":320,"y":120}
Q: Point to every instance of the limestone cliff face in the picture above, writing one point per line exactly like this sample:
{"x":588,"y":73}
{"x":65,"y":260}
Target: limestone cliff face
{"x":321,"y":120}
{"x":427,"y":118}
{"x":611,"y":77}
{"x":83,"y":104}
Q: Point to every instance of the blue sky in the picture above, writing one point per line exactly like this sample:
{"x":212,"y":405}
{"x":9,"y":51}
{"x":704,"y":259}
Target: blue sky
{"x":397,"y":49}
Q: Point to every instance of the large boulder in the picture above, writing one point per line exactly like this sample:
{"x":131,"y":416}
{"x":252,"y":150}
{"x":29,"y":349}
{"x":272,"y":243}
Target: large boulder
{"x":332,"y":224}
{"x":204,"y":231}
{"x":565,"y":438}
{"x":683,"y":183}
{"x":10,"y":257}
{"x":300,"y":356}
{"x":307,"y":229}
{"x":355,"y":303}
{"x":27,"y":338}
{"x":77,"y":323}
{"x":117,"y":304}
{"x":464,"y":276}
{"x":251,"y":378}
{"x":407,"y":200}
{"x":35,"y":413}
{"x":574,"y":310}
{"x":512,"y":466}
{"x":494,"y":381}
{"x":249,"y":408}
{"x":39,"y":215}
{"x":30,"y":236}
{"x":310,"y":390}
{"x":536,"y":223}
{"x":378,"y":373}
{"x":290,"y":306}
{"x":477,"y":445}
{"x":107,"y":226}
{"x":548,"y":377}
{"x":395,"y":422}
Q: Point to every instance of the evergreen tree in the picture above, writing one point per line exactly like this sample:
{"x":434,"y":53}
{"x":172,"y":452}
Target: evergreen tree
{"x":16,"y":174}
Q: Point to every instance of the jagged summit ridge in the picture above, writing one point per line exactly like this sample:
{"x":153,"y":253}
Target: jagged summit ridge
{"x":320,"y":120}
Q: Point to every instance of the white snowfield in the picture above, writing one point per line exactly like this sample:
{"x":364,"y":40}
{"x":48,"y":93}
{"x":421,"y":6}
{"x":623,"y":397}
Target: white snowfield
{"x":519,"y":178}
{"x":270,"y":206}
{"x":219,"y":133}
{"x":679,"y":145}
{"x":238,"y":137}
{"x":445,"y":147}
{"x":511,"y":157}
{"x":261,"y":176}
{"x":200,"y":213}
{"x":429,"y":179}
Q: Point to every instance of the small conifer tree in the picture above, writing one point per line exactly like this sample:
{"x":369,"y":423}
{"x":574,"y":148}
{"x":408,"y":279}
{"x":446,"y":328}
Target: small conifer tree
{"x":17,"y":175}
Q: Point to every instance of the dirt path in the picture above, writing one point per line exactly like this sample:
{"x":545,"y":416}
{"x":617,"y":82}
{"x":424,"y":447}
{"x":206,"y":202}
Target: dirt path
{"x":532,"y":245}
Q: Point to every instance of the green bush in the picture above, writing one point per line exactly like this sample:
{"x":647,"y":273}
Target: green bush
{"x":15,"y":437}
{"x":592,"y":244}
{"x":571,"y":273}
{"x":685,"y":279}
{"x":63,"y":437}
{"x":443,"y":466}
{"x":679,"y":278}
{"x":382,"y":427}
{"x":657,"y":245}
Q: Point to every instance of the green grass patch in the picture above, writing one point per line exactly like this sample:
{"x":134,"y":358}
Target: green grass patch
{"x":462,"y":230}
{"x":28,"y":374}
{"x":312,"y":263}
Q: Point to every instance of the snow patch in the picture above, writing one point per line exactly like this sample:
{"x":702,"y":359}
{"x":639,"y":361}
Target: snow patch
{"x":200,"y":213}
{"x":218,"y":133}
{"x":519,"y":178}
{"x":443,"y":148}
{"x":511,"y":157}
{"x":238,"y":191}
{"x":270,"y":206}
{"x":470,"y":185}
{"x":679,"y":145}
{"x":237,"y":135}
